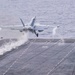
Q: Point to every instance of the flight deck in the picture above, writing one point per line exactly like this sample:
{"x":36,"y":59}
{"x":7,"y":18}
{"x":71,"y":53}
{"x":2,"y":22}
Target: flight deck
{"x":40,"y":57}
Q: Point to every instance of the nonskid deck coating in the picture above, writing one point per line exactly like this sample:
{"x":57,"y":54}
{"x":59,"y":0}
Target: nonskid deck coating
{"x":39,"y":58}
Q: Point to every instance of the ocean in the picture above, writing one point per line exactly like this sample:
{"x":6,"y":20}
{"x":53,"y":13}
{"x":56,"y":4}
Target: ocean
{"x":47,"y":12}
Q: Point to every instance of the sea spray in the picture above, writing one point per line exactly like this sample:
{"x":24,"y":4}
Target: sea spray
{"x":14,"y":44}
{"x":54,"y":33}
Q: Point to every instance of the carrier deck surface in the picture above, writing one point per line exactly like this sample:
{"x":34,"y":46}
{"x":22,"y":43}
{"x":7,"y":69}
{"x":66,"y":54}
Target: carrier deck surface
{"x":40,"y":57}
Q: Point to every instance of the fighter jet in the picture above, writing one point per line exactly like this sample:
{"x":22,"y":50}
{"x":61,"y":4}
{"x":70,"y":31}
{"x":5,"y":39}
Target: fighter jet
{"x":29,"y":27}
{"x":32,"y":27}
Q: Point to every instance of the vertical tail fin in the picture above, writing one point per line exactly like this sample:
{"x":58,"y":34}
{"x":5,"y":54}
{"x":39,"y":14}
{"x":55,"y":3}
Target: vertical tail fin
{"x":33,"y":21}
{"x":22,"y":22}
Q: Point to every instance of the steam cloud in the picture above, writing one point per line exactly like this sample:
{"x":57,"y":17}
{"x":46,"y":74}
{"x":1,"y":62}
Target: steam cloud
{"x":14,"y":44}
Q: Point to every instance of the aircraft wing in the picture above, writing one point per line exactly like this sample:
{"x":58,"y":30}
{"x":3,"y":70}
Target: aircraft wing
{"x":12,"y":27}
{"x":41,"y":27}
